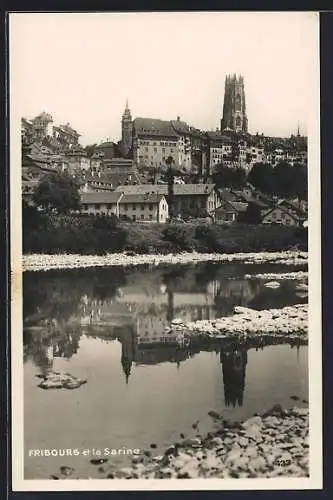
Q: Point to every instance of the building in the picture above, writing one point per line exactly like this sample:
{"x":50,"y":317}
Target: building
{"x":26,"y":131}
{"x":229,"y":211}
{"x":118,"y":165}
{"x":220,"y":150}
{"x":101,"y":203}
{"x":150,"y":207}
{"x":281,"y":215}
{"x":185,"y":140}
{"x":126,"y":132}
{"x":34,"y":167}
{"x":66,"y":136}
{"x":77,"y":159}
{"x":106,"y":150}
{"x":42,"y":126}
{"x":234,"y":105}
{"x":154,"y":141}
{"x":188,"y":198}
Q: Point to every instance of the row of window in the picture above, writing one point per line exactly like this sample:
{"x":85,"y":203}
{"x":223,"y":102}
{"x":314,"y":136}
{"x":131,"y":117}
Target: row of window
{"x":165,"y":144}
{"x":142,"y":207}
{"x":155,"y":150}
{"x":142,"y":217}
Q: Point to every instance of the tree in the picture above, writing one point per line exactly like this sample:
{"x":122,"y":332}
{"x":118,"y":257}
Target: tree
{"x":57,"y":193}
{"x":228,"y":177}
{"x":262,"y":176}
{"x":90,"y":149}
{"x":170,"y":176}
{"x":252,"y":214}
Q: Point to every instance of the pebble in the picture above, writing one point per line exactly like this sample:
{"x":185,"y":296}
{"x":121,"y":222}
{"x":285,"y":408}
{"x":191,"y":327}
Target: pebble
{"x":44,"y":262}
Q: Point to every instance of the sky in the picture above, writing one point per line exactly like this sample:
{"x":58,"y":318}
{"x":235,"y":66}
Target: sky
{"x":81,"y":68}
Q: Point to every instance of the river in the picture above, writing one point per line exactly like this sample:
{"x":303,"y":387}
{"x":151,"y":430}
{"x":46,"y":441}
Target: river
{"x":110,"y":331}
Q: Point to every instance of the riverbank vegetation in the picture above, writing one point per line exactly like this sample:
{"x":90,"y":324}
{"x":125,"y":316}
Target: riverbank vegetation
{"x":89,"y":234}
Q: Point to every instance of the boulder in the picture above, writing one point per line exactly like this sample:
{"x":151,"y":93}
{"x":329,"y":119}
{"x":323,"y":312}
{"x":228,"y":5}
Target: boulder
{"x":272,"y":284}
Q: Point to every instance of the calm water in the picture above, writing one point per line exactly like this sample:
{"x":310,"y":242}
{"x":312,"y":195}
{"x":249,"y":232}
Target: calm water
{"x":138,"y":394}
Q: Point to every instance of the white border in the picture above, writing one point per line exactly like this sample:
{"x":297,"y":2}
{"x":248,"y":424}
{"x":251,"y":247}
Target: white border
{"x":315,"y":481}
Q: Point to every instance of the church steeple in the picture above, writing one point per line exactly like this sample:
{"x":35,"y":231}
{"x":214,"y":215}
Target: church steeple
{"x":126,"y":130}
{"x":234,"y":105}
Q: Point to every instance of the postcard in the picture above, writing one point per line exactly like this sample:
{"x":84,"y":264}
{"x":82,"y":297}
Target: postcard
{"x":165,"y":251}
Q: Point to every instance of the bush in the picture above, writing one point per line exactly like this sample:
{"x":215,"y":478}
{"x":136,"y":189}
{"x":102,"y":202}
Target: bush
{"x":180,"y":236}
{"x":207,"y":237}
{"x":99,"y":235}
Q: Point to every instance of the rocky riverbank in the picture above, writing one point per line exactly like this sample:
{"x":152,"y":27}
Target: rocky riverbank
{"x":293,"y":275}
{"x":289,"y":321}
{"x":275,"y":444}
{"x":44,"y":262}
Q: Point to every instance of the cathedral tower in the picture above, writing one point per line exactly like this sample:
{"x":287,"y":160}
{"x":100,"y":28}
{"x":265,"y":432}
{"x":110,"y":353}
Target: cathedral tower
{"x":126,"y":131}
{"x":234,"y":106}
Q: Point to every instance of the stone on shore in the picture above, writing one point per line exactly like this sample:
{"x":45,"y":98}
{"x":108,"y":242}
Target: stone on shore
{"x":54,"y":380}
{"x":282,"y":450}
{"x":44,"y":262}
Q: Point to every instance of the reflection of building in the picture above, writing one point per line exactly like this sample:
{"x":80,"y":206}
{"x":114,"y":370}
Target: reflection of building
{"x":43,"y":350}
{"x":128,"y":351}
{"x":234,"y":361}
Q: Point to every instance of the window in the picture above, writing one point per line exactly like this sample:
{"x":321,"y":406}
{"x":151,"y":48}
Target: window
{"x":146,"y":149}
{"x":155,"y":150}
{"x":85,"y":207}
{"x":163,"y":150}
{"x":142,"y":207}
{"x":134,"y":217}
{"x":151,"y":206}
{"x":171,"y":150}
{"x":134,"y":206}
{"x":126,"y":208}
{"x":142,"y":216}
{"x":150,"y":217}
{"x":97,"y":206}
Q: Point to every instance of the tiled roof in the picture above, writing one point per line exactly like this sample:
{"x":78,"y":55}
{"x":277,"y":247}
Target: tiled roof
{"x":152,"y":126}
{"x":107,"y":144}
{"x":226,"y":195}
{"x":284,"y":209}
{"x":142,"y":198}
{"x":180,"y":126}
{"x":215,"y":136}
{"x":179,"y":189}
{"x":239,"y":206}
{"x":100,"y":197}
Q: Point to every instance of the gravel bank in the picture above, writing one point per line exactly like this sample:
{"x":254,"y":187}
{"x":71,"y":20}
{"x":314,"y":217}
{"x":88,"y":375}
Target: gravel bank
{"x":275,"y":444}
{"x":43,"y":262}
{"x":297,"y":275}
{"x":289,"y":321}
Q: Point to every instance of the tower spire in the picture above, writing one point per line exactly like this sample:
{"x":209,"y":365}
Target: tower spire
{"x":298,"y":133}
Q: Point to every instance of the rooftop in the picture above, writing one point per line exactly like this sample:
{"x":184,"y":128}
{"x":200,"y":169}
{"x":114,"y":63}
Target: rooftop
{"x":152,"y":126}
{"x":179,"y":189}
{"x":100,"y":197}
{"x":142,"y":198}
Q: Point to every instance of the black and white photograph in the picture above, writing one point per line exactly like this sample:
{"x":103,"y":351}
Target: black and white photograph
{"x":165,"y":251}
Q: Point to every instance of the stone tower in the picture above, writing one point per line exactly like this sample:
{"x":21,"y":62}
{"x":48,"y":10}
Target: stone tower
{"x":234,"y":106}
{"x":126,"y":131}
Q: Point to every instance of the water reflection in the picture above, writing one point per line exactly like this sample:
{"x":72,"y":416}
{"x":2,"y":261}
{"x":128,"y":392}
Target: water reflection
{"x":136,"y":306}
{"x":145,"y":299}
{"x":234,"y":360}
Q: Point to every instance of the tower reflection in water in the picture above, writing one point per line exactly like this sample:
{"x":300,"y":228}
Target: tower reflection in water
{"x":233,"y":360}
